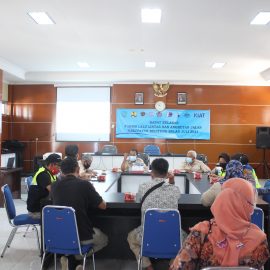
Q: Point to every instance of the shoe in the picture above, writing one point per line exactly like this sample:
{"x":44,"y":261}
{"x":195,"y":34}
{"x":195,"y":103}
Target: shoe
{"x":64,"y":263}
{"x":79,"y":267}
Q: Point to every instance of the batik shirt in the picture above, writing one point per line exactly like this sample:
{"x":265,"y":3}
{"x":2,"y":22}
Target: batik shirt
{"x":165,"y":197}
{"x":197,"y":253}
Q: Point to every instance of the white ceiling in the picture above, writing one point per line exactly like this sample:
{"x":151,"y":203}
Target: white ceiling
{"x":109,"y":35}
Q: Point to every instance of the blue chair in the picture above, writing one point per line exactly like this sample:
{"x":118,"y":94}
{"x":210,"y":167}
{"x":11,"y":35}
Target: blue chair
{"x":161,"y":234}
{"x":152,"y":149}
{"x":144,"y":157}
{"x":109,"y":150}
{"x":203,"y":158}
{"x":60,"y":233}
{"x":257,"y":218}
{"x":16,"y":221}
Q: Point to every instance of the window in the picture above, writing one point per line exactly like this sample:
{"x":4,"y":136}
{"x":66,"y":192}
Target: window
{"x":83,"y":114}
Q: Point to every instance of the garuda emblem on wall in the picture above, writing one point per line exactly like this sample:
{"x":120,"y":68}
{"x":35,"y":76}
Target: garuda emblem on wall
{"x":160,"y":90}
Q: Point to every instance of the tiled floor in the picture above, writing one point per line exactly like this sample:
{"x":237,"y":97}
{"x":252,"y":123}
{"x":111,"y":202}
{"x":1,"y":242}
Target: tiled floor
{"x":23,"y":253}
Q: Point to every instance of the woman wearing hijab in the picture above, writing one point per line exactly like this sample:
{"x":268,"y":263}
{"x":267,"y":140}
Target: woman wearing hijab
{"x":229,"y":239}
{"x":234,"y":169}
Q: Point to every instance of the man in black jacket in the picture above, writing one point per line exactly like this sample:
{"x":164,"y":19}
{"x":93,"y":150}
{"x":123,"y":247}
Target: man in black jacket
{"x":41,"y":184}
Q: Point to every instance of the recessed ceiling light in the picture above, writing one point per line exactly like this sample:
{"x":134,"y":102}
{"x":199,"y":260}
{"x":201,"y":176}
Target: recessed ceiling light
{"x":262,"y":18}
{"x":41,"y":17}
{"x":83,"y":65}
{"x":151,"y":15}
{"x":218,"y":65}
{"x":149,"y":64}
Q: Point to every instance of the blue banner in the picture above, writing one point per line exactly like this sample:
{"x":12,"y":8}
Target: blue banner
{"x":168,"y":124}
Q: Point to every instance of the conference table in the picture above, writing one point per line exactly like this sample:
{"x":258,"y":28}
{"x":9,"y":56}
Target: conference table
{"x":121,"y":217}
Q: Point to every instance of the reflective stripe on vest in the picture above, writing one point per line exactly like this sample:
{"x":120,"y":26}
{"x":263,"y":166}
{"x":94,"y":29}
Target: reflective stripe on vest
{"x":258,"y":185}
{"x":40,"y":170}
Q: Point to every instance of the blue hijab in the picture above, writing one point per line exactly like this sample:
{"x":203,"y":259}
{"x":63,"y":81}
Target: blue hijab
{"x":234,"y":169}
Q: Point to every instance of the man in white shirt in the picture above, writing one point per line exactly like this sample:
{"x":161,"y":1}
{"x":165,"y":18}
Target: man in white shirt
{"x":194,"y":165}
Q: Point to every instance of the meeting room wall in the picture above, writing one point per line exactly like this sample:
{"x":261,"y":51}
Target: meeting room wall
{"x":235,"y":113}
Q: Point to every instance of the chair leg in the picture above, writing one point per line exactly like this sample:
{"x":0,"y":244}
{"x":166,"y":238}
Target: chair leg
{"x":84,"y":260}
{"x":93,"y":258}
{"x":10,"y":238}
{"x":38,"y":243}
{"x":42,"y":261}
{"x":139,"y":262}
{"x":26,"y":231}
{"x":55,"y":266}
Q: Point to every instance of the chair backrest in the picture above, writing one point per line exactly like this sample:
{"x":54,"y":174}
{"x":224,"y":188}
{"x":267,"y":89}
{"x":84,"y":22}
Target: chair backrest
{"x":228,"y":268}
{"x":144,"y":157}
{"x":28,"y":182}
{"x":152,"y":149}
{"x":258,"y":218}
{"x":161,"y":233}
{"x":8,"y":201}
{"x":60,"y":231}
{"x":109,"y":149}
{"x":203,"y":158}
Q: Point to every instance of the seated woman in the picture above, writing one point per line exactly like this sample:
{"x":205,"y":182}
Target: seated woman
{"x":246,"y":166}
{"x":223,"y":160}
{"x":84,"y":165}
{"x":229,"y":239}
{"x":233,"y":169}
{"x":131,"y":160}
{"x":194,"y":165}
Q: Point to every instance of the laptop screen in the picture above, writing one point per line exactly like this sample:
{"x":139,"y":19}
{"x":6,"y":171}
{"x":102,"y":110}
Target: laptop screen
{"x":10,"y":163}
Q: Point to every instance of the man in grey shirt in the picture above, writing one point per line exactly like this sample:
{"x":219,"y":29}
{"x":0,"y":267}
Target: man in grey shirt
{"x":165,"y":197}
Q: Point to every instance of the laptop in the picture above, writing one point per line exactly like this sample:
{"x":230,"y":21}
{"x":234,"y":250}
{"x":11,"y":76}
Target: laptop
{"x":9,"y":164}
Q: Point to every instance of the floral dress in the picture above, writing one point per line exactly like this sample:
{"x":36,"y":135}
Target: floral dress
{"x":197,"y":253}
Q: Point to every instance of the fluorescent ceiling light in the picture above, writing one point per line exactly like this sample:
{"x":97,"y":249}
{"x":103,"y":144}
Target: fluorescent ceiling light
{"x":151,"y":15}
{"x":218,"y":65}
{"x":41,"y":17}
{"x":262,"y":18}
{"x":150,"y":64}
{"x":83,"y":65}
{"x":266,"y":74}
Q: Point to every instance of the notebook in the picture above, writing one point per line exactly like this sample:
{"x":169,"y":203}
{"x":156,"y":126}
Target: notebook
{"x":9,"y":164}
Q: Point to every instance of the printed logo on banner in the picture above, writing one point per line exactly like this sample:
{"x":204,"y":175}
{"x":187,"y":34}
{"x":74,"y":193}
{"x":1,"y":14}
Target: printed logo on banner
{"x":142,"y":113}
{"x":124,"y":113}
{"x":169,"y":114}
{"x":133,"y":114}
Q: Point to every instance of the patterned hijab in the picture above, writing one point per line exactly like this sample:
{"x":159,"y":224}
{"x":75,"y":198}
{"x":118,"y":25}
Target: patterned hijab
{"x":232,"y":234}
{"x":234,"y":169}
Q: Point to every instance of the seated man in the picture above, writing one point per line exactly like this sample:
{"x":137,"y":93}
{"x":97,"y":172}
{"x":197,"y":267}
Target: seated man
{"x":131,"y":160}
{"x":41,"y":184}
{"x":84,"y":165}
{"x":165,"y":196}
{"x":223,"y":160}
{"x":82,"y":196}
{"x":194,"y":165}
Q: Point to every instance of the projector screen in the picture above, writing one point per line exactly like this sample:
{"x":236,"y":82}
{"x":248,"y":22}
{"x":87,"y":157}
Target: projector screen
{"x":83,"y":114}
